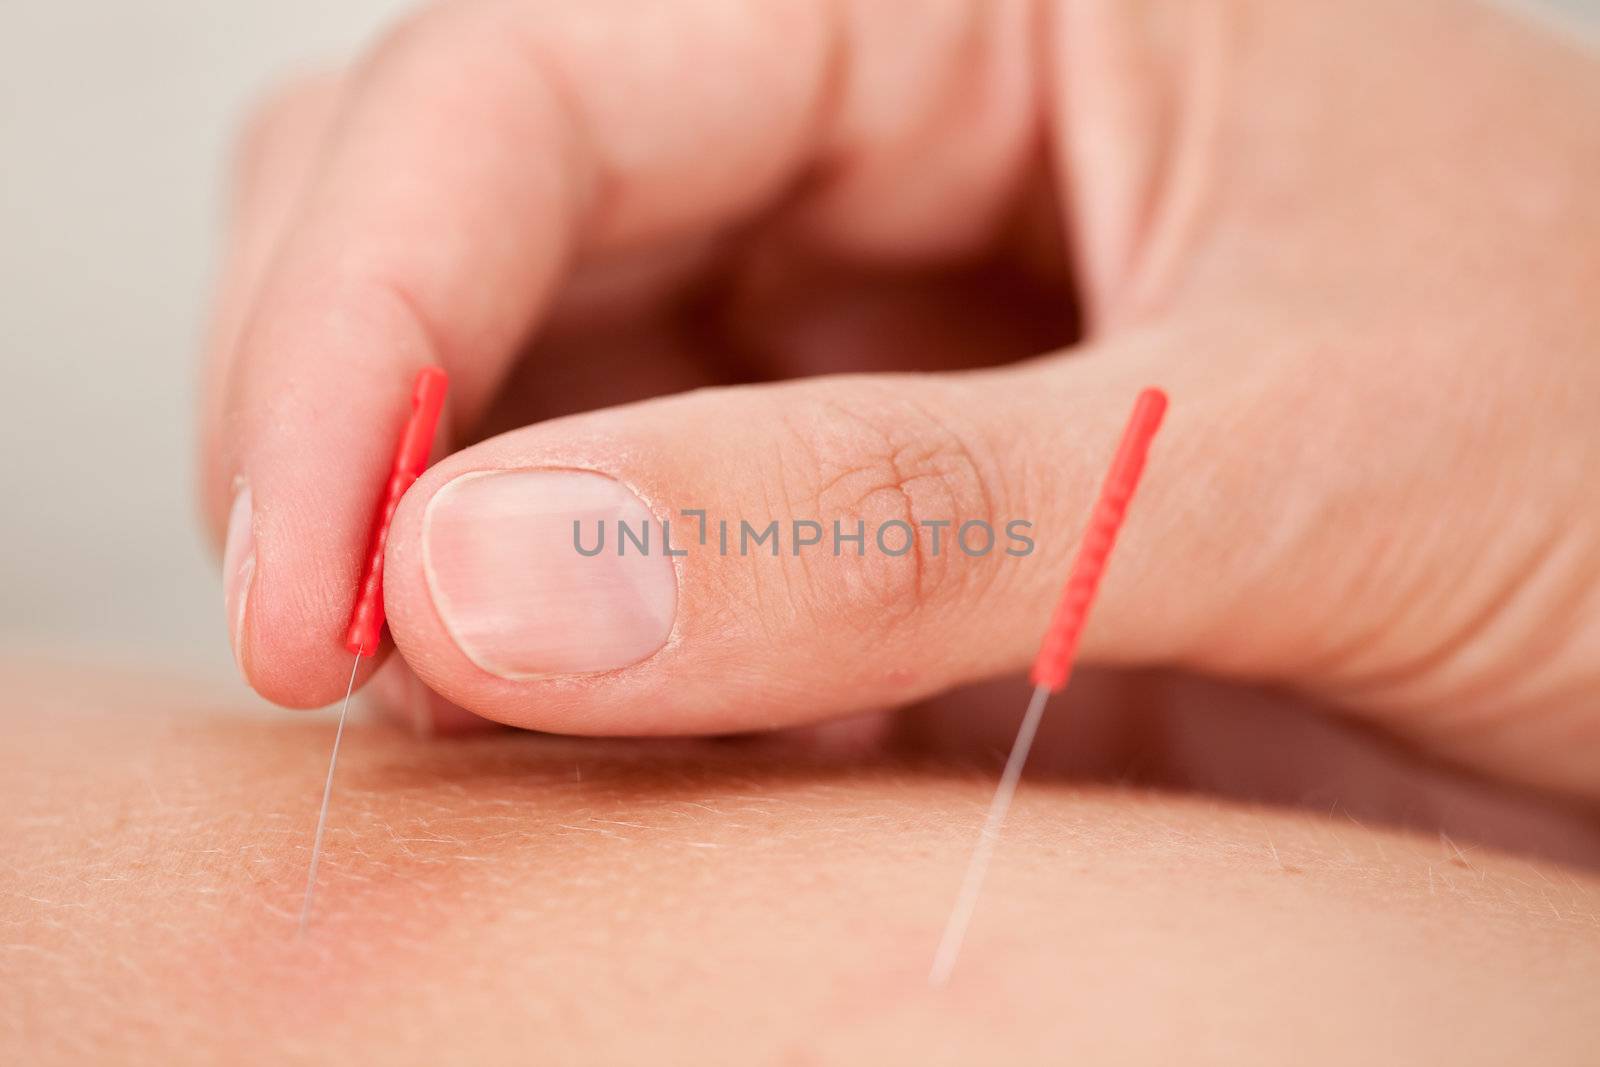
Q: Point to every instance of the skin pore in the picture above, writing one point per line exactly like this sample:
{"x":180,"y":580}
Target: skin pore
{"x":514,"y":896}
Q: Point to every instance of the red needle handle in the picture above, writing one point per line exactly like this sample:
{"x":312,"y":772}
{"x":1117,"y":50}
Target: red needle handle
{"x":410,"y":460}
{"x":1053,"y":666}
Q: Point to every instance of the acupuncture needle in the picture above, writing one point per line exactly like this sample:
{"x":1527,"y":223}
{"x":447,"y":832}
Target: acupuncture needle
{"x":1053,"y":666}
{"x":327,"y":795}
{"x":367,"y":617}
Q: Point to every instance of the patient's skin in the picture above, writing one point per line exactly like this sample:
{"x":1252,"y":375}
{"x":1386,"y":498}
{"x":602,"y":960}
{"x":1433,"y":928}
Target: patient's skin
{"x":523,"y":898}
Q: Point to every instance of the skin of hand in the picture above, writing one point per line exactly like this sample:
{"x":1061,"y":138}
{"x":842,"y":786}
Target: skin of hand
{"x":516,"y":897}
{"x":1356,"y":243}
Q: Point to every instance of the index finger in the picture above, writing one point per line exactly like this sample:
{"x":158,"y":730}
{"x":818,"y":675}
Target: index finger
{"x":479,"y":148}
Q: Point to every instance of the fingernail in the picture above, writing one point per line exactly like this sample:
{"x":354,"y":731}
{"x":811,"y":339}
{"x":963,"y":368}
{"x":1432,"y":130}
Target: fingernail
{"x":238,"y":567}
{"x":515,"y":593}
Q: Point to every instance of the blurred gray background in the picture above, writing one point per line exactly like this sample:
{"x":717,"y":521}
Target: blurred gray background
{"x":115,"y":126}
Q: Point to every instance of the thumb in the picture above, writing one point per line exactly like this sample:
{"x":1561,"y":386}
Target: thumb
{"x":760,"y":556}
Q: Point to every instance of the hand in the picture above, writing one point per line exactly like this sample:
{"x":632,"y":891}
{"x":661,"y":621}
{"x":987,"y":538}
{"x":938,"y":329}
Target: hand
{"x":1356,"y":243}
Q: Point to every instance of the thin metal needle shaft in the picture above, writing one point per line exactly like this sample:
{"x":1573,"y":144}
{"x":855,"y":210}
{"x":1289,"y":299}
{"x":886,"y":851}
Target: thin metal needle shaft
{"x":327,"y":793}
{"x":955,"y":928}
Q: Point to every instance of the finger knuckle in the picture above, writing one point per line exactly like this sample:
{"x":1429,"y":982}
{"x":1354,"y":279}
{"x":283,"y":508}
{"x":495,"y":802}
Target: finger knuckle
{"x":281,"y":114}
{"x":881,"y":472}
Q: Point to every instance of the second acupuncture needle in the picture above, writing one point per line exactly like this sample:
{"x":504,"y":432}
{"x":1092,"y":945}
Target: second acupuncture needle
{"x":1053,"y":666}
